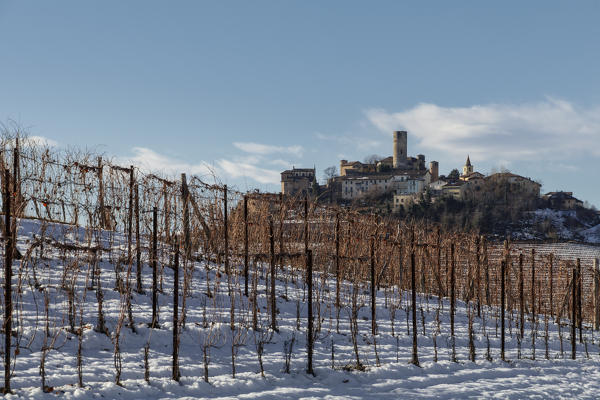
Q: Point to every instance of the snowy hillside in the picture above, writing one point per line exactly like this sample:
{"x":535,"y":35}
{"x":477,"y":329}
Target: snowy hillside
{"x":547,"y":224}
{"x":385,"y":371}
{"x":592,"y":235}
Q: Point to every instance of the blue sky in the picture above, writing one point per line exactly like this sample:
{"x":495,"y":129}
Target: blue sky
{"x":248,"y":89}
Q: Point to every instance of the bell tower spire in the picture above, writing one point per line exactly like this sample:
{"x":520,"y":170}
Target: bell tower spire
{"x":467,"y":168}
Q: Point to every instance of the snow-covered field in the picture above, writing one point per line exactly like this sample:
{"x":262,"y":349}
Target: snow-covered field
{"x":392,"y":376}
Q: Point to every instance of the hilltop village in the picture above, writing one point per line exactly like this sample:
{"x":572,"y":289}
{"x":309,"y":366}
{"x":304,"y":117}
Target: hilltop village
{"x":404,"y":181}
{"x":409,"y":186}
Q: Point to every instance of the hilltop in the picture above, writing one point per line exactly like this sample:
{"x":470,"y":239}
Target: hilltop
{"x":501,"y":204}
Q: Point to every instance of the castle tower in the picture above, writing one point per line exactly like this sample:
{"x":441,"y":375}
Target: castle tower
{"x":399,"y":155}
{"x":467,"y":168}
{"x":434,"y":170}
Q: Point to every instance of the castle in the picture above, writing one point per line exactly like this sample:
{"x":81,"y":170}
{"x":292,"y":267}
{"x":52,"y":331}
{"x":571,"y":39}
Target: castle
{"x":405,"y":180}
{"x":398,"y":162}
{"x":398,"y":174}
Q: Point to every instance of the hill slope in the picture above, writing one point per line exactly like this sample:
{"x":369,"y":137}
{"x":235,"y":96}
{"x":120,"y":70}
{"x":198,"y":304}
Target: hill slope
{"x":387,"y":374}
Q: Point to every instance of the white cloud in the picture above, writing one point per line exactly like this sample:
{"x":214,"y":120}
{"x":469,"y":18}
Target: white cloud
{"x":42,"y":141}
{"x":244,"y":170}
{"x":549,"y":129}
{"x":321,"y":136}
{"x":256,"y":163}
{"x":242,"y":167}
{"x":26,"y":141}
{"x":151,"y":161}
{"x":281,"y":163}
{"x":264,"y":149}
{"x":358,"y":142}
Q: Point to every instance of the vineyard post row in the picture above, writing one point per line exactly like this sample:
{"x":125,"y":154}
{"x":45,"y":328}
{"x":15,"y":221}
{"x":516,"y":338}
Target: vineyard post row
{"x":341,"y":242}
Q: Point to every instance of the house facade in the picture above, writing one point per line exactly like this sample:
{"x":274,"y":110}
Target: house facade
{"x":297,"y":181}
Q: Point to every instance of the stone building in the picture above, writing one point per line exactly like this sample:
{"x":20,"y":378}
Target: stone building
{"x":398,"y":174}
{"x":408,"y":183}
{"x":562,"y":200}
{"x":514,"y":183}
{"x":356,"y":168}
{"x":455,"y":190}
{"x":354,"y":187}
{"x":404,"y":201}
{"x":408,"y":189}
{"x":399,"y":161}
{"x":298,"y":181}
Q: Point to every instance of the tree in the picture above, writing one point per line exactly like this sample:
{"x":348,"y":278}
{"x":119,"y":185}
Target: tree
{"x":329,"y":173}
{"x":454,"y":175}
{"x":315,"y":188}
{"x":372,"y":159}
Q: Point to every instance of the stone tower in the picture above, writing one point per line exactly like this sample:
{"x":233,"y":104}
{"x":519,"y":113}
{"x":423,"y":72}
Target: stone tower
{"x":434,"y":170}
{"x":399,"y":156}
{"x":467,"y":168}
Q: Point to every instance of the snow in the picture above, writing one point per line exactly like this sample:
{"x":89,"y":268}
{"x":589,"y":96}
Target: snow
{"x":566,"y":224}
{"x":592,"y":235}
{"x":556,"y":377}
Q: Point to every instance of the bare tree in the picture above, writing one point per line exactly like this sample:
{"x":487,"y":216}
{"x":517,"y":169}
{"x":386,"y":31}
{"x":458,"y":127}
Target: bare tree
{"x":329,"y":173}
{"x":373,"y":159}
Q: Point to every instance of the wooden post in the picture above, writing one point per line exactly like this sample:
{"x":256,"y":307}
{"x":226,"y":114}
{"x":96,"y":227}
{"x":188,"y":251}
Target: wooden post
{"x":154,"y":323}
{"x":452,"y":289}
{"x":337,"y":268}
{"x":130,"y":218}
{"x":103,"y":221}
{"x":452,"y":300}
{"x":439,"y":263}
{"x":506,"y":257}
{"x":521,"y":298}
{"x":166,"y":231}
{"x":478,"y":272}
{"x":596,"y":274}
{"x":551,"y":272}
{"x":138,"y":247}
{"x":415,"y":357}
{"x":502,"y":307}
{"x":255,"y":299}
{"x":447,"y":272}
{"x":8,"y":246}
{"x":305,"y":224}
{"x":373,"y":287}
{"x":185,"y":196}
{"x":533,"y":287}
{"x":175,"y":375}
{"x":226,"y":233}
{"x":281,"y":229}
{"x":246,"y":245}
{"x":273,"y":299}
{"x":309,"y":333}
{"x":579,"y":300}
{"x":16,"y":193}
{"x":574,"y":314}
{"x":471,"y":337}
{"x":487,"y":271}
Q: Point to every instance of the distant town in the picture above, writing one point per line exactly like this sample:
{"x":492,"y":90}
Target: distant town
{"x":404,"y":181}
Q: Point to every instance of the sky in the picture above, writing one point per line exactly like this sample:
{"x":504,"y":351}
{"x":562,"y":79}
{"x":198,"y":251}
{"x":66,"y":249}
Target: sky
{"x":244,"y":90}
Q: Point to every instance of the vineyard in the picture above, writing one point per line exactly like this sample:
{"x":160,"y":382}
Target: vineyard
{"x":125,"y":277}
